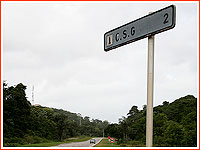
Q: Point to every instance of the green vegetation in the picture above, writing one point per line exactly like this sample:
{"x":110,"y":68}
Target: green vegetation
{"x":175,"y":124}
{"x":106,"y":143}
{"x":24,"y":124}
{"x":52,"y":143}
{"x":42,"y":144}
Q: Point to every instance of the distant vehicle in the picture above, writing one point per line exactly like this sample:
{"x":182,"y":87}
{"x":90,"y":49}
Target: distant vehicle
{"x":92,"y":141}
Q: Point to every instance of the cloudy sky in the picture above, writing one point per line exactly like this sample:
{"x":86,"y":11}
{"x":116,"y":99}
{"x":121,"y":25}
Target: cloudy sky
{"x":58,"y":48}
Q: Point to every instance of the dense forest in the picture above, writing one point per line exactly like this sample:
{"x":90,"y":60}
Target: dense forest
{"x":175,"y":124}
{"x":27,"y":124}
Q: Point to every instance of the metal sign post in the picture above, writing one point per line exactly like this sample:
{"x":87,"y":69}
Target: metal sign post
{"x":147,"y":26}
{"x":150,"y":79}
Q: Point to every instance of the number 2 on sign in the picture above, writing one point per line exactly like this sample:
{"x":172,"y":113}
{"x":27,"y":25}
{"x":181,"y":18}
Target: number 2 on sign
{"x":166,"y":18}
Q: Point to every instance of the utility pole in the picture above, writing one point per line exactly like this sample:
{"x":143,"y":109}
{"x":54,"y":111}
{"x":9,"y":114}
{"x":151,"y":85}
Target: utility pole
{"x":33,"y":95}
{"x":80,"y":118}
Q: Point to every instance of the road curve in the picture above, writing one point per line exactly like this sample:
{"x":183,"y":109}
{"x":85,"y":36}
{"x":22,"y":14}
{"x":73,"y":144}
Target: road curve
{"x":80,"y":144}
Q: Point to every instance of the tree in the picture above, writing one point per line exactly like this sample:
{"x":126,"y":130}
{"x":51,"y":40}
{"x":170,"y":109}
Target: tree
{"x":42,"y":123}
{"x":190,"y":129}
{"x":16,"y":110}
{"x":159,"y":127}
{"x":133,"y":111}
{"x":159,"y":122}
{"x":124,"y":128}
{"x":174,"y":134}
{"x":113,"y":130}
{"x":62,"y":123}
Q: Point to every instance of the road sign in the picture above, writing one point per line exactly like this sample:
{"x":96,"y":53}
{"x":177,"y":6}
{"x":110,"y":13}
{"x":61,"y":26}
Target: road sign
{"x":151,"y":24}
{"x":112,"y":140}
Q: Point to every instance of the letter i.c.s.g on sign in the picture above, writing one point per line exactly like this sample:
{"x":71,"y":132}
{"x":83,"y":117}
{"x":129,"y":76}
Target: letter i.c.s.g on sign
{"x":151,"y":24}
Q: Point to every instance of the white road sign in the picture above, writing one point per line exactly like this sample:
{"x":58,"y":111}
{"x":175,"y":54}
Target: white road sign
{"x":151,"y":24}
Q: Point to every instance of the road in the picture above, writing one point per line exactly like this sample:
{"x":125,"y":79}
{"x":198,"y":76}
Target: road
{"x":81,"y":144}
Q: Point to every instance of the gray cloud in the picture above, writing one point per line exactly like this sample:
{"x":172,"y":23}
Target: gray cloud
{"x":58,"y":48}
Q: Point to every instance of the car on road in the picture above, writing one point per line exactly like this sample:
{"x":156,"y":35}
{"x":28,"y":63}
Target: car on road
{"x":92,"y":141}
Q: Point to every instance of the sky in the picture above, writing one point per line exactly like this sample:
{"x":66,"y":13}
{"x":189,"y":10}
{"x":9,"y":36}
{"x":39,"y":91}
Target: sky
{"x":58,"y":47}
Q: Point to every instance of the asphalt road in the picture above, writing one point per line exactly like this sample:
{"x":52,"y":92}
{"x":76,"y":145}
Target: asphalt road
{"x":81,"y":144}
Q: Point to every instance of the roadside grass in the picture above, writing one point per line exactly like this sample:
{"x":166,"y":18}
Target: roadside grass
{"x":53,"y":143}
{"x":42,"y":144}
{"x":106,"y":143}
{"x":135,"y":144}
